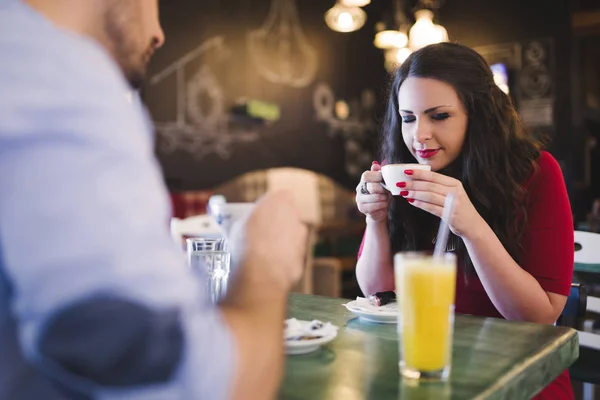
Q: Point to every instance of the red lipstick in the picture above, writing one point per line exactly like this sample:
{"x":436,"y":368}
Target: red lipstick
{"x":427,"y":153}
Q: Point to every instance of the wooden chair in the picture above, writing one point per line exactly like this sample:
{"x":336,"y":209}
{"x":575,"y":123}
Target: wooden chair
{"x":320,"y":201}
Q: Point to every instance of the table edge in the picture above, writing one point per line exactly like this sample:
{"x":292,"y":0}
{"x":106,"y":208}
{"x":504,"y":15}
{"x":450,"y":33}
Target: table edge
{"x":568,"y":338}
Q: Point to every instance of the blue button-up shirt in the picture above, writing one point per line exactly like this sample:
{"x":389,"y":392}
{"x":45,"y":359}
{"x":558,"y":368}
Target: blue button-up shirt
{"x":84,"y":218}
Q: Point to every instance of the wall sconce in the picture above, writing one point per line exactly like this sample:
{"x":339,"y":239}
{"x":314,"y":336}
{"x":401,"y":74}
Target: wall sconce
{"x":342,"y":110}
{"x":345,"y":19}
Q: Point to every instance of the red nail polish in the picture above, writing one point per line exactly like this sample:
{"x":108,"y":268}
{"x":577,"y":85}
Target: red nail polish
{"x":404,"y":193}
{"x":411,"y":200}
{"x":401,"y":184}
{"x":409,"y":172}
{"x":374,"y":163}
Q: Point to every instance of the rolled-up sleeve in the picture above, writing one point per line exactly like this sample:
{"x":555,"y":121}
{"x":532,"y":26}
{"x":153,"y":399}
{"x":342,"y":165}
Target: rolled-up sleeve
{"x":103,"y":299}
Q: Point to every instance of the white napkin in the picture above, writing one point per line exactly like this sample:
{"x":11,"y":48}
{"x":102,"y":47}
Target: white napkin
{"x":294,"y":329}
{"x":363,"y":304}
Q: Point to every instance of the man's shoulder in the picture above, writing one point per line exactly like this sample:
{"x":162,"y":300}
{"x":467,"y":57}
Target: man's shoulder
{"x":46,"y":63}
{"x":57,"y":82}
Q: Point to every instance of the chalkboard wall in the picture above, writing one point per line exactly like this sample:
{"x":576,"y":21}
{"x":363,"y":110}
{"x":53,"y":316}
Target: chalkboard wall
{"x":223,"y":72}
{"x":347,"y":64}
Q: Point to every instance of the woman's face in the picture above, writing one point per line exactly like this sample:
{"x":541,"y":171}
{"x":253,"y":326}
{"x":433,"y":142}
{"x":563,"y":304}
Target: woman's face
{"x":434,"y":121}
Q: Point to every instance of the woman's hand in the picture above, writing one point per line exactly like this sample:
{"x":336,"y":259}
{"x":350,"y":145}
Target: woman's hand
{"x":375,"y":203}
{"x":428,"y":191}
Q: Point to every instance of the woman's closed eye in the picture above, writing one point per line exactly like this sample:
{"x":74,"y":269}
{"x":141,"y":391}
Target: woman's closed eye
{"x":407,"y":119}
{"x":440,"y":116}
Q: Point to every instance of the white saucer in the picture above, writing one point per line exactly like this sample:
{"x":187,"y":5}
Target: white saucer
{"x":294,"y":347}
{"x":306,"y":346}
{"x":378,"y":317}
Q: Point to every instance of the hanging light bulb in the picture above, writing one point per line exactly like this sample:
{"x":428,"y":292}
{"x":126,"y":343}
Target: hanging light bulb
{"x":394,"y":57}
{"x":424,"y":32}
{"x":442,"y":33}
{"x":345,"y":19}
{"x":390,"y":38}
{"x":402,"y":55}
{"x":355,"y":3}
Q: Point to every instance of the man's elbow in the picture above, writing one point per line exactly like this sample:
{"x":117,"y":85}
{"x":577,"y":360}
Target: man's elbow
{"x":114,"y":342}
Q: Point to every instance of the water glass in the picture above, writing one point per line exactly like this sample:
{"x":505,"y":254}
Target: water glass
{"x":209,"y":258}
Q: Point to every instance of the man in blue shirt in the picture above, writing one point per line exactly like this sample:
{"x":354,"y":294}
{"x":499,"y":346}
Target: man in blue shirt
{"x":95,"y":299}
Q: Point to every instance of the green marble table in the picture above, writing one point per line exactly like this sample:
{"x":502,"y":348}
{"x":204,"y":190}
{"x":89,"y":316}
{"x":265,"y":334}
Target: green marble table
{"x":492,"y":359}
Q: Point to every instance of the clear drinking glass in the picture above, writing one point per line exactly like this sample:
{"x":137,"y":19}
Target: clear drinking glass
{"x":425,"y":289}
{"x":209,"y":258}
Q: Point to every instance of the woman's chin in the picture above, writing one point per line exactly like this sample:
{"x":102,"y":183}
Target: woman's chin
{"x":437,"y":162}
{"x":435,"y":166}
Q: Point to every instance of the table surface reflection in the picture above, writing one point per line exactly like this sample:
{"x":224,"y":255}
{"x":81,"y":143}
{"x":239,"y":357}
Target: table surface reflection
{"x":492,"y":359}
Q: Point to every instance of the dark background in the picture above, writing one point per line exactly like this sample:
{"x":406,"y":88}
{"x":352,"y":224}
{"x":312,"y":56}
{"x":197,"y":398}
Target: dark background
{"x":349,"y":63}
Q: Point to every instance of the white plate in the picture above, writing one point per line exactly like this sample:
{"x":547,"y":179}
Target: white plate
{"x":306,"y":346}
{"x":293,"y":347}
{"x":379,"y":317}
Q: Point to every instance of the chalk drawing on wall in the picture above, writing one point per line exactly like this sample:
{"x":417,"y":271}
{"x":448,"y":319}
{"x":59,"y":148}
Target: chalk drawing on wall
{"x":279,"y":49}
{"x":356,"y":128}
{"x":202,"y":125}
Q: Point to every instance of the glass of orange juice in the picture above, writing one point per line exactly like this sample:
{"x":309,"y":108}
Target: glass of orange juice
{"x":425,"y":291}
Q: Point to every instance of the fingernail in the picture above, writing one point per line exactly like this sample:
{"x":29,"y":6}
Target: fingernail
{"x":408,"y":172}
{"x":375,"y":163}
{"x":411,"y":200}
{"x":401,"y":184}
{"x":404,"y":193}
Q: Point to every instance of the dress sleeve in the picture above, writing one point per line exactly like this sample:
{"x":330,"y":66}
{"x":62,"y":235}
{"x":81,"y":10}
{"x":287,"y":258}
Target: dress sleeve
{"x":548,"y":243}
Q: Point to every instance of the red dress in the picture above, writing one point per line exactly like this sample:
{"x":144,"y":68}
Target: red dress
{"x":548,"y":254}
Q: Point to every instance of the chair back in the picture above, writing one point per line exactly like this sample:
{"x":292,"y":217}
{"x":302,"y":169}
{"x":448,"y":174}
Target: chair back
{"x":575,"y":306}
{"x":587,"y":247}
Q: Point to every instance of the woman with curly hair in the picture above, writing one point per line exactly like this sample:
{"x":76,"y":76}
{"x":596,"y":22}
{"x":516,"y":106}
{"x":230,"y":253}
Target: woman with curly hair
{"x":512,"y":227}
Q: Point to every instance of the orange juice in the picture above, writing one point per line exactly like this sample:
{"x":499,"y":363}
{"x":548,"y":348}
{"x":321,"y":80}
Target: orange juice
{"x":425,"y":290}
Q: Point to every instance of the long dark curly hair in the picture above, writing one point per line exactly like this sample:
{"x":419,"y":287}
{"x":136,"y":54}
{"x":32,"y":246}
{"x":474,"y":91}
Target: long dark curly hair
{"x":497,"y":158}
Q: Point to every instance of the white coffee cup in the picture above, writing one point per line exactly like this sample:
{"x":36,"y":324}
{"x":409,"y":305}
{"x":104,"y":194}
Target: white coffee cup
{"x":394,"y":173}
